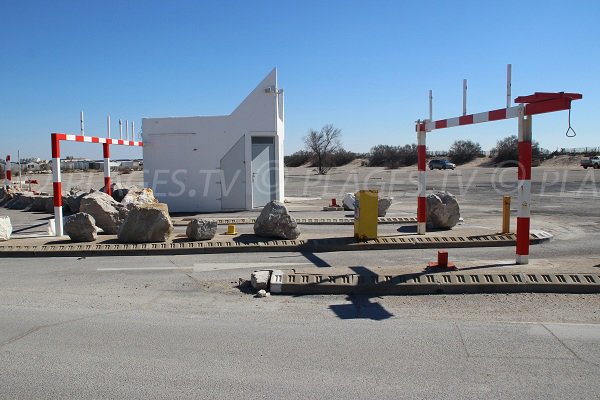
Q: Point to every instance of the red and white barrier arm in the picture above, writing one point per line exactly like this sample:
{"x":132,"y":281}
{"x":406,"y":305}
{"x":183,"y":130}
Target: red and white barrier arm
{"x":422,"y":201}
{"x":524,"y":190}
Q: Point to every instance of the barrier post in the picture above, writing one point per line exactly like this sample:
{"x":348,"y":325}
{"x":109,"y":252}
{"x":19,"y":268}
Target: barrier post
{"x":106,"y":151}
{"x":56,"y":185}
{"x":8,"y":172}
{"x":421,"y":200}
{"x":524,"y":189}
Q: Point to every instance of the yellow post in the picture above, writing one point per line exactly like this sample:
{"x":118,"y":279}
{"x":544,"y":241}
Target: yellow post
{"x":506,"y":215}
{"x":365,"y":215}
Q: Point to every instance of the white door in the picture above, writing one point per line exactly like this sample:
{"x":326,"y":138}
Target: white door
{"x":263,"y":170}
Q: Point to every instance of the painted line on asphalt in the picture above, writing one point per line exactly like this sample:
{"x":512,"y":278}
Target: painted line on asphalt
{"x":204,"y":267}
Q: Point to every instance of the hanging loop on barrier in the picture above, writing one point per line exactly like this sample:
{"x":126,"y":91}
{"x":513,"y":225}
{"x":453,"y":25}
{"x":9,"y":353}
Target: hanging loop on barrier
{"x":570,"y":128}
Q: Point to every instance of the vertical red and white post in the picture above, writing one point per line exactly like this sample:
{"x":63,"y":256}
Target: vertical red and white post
{"x":421,"y":162}
{"x":7,"y":172}
{"x":524,"y":188}
{"x":57,"y":185}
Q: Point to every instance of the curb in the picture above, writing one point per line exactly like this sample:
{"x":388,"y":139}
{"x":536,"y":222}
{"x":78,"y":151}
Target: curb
{"x":69,"y":249}
{"x":304,"y":221}
{"x":288,"y":282}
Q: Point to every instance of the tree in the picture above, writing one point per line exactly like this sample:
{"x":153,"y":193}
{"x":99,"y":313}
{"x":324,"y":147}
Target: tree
{"x":393,"y":156}
{"x":463,"y":151}
{"x":321,"y":145}
{"x":507,"y":151}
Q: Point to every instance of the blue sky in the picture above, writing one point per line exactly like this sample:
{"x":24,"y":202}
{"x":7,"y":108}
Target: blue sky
{"x":364,"y":66}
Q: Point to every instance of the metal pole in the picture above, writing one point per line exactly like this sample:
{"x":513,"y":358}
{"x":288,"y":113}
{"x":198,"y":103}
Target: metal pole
{"x":464,"y":97}
{"x":126,"y":129}
{"x":524,"y":187}
{"x":120,"y":129}
{"x":106,"y":151}
{"x":81,"y":122}
{"x":108,"y":125}
{"x":57,"y":186}
{"x":133,"y":130}
{"x":421,"y":201}
{"x":431,"y":105}
{"x":19,"y":158}
{"x":508,"y":84}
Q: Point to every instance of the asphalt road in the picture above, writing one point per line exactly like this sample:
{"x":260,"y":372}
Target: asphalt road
{"x":178,"y":327}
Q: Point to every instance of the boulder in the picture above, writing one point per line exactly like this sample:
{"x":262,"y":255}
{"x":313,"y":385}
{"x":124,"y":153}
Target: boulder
{"x":136,"y":197}
{"x":6,"y":196}
{"x":201,"y":229}
{"x":107,"y":213}
{"x":349,"y":201}
{"x":20,"y":201}
{"x":260,"y":279}
{"x":81,"y":227}
{"x":275,"y":221}
{"x":443,"y":211}
{"x":119,"y":191}
{"x":146,"y":223}
{"x":383,"y":205}
{"x":42,"y":204}
{"x":5,"y":228}
{"x":72,"y":201}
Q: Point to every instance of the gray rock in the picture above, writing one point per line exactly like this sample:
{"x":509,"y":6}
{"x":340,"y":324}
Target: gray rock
{"x":275,"y":221}
{"x":201,"y":229}
{"x":349,"y":201}
{"x":108,"y":214}
{"x":443,"y":211}
{"x":5,"y":228}
{"x":383,"y":205}
{"x":119,"y":191}
{"x":42,"y":204}
{"x":262,"y":293}
{"x":72,"y":201}
{"x":136,"y":197}
{"x":146,"y":223}
{"x":260,"y":279}
{"x":20,"y":201}
{"x":81,"y":227}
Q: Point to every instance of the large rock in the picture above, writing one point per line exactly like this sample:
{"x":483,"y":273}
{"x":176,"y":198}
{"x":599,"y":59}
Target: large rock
{"x":201,"y":229}
{"x":383,"y":205}
{"x":5,"y":228}
{"x":146,"y":223}
{"x":42,"y":204}
{"x":275,"y":221}
{"x":81,"y":227}
{"x":136,"y":197}
{"x":349,"y":201}
{"x":443,"y":211}
{"x":20,"y":201}
{"x":119,"y":191}
{"x":108,"y":214}
{"x":72,"y":201}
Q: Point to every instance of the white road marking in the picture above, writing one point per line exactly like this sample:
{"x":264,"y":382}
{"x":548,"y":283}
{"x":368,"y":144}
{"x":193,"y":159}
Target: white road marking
{"x":204,"y":267}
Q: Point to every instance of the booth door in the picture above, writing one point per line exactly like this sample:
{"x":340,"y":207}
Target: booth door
{"x":263,"y":170}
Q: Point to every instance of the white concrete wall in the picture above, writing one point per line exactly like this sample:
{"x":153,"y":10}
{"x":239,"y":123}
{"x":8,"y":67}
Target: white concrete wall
{"x":182,"y":154}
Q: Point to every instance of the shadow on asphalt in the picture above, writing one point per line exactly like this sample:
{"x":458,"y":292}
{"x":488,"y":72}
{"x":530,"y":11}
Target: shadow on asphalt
{"x":361,"y":308}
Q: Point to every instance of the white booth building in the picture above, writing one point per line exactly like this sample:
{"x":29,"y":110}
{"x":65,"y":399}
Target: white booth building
{"x":219,"y":163}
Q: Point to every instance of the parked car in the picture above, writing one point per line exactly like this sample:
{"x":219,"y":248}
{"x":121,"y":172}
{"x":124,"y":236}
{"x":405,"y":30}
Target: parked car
{"x":441,"y":164}
{"x":593,"y":162}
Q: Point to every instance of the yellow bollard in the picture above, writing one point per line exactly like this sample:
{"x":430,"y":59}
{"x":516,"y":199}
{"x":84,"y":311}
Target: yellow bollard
{"x":231,"y":229}
{"x":506,"y":214}
{"x":365,"y":215}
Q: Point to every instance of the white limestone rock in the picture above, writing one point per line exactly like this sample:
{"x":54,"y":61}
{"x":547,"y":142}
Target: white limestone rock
{"x":275,"y":221}
{"x":5,"y":228}
{"x":81,"y":227}
{"x":443,"y":211}
{"x":146,"y":223}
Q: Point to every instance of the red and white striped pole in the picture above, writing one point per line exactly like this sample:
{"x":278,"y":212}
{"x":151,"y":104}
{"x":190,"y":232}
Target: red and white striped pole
{"x":524,"y":195}
{"x":106,"y":151}
{"x":57,"y":186}
{"x":8,"y":172}
{"x":421,"y":161}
